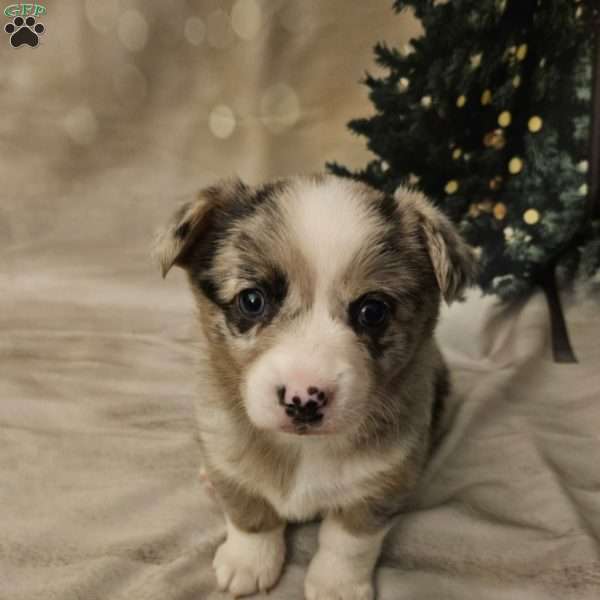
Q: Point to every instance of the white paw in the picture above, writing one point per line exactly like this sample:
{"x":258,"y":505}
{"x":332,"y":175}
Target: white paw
{"x":330,"y":578}
{"x":247,"y":563}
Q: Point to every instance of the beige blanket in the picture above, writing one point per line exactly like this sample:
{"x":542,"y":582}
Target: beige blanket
{"x":124,"y":108}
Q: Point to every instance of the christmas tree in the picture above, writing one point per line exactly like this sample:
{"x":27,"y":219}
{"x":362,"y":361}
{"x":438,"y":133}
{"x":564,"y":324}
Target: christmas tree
{"x":489,"y":113}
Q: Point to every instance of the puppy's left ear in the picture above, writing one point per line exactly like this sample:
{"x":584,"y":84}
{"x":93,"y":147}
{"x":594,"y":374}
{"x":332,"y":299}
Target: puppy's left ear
{"x":454,"y":263}
{"x":186,"y":225}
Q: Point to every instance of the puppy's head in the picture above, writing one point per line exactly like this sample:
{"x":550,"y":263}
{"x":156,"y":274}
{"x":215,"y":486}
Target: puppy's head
{"x":314,"y":293}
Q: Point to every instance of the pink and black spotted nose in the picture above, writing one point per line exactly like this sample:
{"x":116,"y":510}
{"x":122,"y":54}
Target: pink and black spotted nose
{"x":305,"y":405}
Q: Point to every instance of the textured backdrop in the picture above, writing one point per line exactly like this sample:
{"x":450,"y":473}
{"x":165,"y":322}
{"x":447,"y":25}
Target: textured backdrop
{"x":123,"y":109}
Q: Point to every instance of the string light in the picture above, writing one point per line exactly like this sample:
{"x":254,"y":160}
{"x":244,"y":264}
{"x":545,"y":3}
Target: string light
{"x":500,"y":211}
{"x":515,"y":165}
{"x":531,"y":216}
{"x":535,"y":124}
{"x":451,"y":187}
{"x":504,"y":118}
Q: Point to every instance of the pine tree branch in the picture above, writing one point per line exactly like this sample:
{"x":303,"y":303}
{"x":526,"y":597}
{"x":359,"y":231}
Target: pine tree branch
{"x":594,"y":172}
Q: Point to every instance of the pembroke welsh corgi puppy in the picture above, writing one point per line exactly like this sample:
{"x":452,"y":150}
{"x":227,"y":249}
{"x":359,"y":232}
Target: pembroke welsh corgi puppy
{"x":317,"y":302}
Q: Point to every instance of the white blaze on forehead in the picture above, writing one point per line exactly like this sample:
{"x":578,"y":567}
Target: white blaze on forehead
{"x":330,"y":222}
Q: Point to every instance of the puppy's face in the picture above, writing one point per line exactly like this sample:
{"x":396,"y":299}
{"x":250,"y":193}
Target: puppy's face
{"x":314,"y":294}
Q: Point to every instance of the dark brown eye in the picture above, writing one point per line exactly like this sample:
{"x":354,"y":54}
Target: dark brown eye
{"x":372,"y":313}
{"x":252,"y":303}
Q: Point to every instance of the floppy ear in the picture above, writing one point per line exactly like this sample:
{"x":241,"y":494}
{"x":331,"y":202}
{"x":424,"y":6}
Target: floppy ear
{"x":189,"y":222}
{"x":454,"y":263}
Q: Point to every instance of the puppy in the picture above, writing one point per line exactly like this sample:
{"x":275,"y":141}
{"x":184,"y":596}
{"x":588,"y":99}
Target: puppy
{"x":317,"y":302}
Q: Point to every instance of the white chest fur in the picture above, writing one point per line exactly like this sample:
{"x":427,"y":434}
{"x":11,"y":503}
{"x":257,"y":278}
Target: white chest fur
{"x":323,"y":478}
{"x":324,"y":481}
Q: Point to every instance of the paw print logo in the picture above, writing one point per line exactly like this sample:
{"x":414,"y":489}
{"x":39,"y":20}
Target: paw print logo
{"x":24,"y":31}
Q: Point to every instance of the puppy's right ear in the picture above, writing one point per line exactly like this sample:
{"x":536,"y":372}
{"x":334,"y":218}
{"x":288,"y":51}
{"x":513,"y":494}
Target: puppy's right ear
{"x":187,"y":224}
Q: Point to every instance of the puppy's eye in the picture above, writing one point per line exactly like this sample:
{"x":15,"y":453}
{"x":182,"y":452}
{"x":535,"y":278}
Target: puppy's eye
{"x":372,"y":313}
{"x":251,"y":303}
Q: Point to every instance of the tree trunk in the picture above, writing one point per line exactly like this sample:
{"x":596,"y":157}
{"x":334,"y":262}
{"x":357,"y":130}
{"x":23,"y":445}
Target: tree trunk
{"x":561,"y":345}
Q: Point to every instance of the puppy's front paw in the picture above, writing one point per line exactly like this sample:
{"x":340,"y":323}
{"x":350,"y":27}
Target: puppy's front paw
{"x":330,"y":577}
{"x":247,"y":563}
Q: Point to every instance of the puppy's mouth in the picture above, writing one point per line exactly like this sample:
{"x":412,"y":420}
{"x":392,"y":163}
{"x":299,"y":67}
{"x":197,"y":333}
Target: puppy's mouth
{"x":303,"y":430}
{"x":306,"y":425}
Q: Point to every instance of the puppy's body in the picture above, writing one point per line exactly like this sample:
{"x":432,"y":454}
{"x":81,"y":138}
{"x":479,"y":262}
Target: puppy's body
{"x":317,"y":302}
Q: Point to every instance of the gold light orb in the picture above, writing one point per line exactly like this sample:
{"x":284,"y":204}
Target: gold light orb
{"x":522,"y":52}
{"x":515,"y":165}
{"x":451,"y":187}
{"x":486,"y":97}
{"x":500,"y":211}
{"x":535,"y":124}
{"x":531,"y":216}
{"x":504,"y":118}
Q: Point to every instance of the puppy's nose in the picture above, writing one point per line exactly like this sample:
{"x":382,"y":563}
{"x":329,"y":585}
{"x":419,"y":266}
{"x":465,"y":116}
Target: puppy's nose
{"x":305,"y":405}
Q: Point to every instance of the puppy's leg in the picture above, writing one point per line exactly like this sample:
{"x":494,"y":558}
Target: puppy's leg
{"x":342,"y":568}
{"x":251,"y":557}
{"x":249,"y":562}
